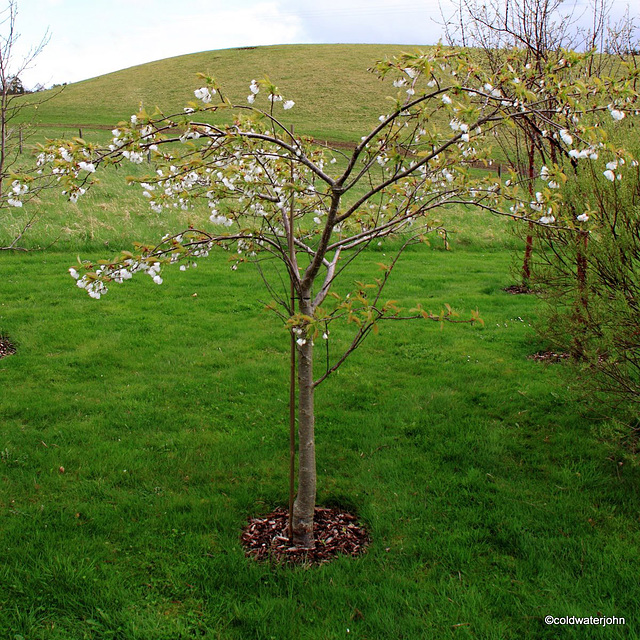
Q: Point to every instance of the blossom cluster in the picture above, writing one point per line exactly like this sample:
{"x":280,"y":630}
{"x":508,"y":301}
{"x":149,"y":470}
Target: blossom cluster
{"x":273,"y":97}
{"x":18,"y":191}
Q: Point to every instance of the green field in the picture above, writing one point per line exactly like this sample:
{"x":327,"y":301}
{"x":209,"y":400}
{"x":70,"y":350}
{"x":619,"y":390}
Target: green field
{"x":138,"y":433}
{"x":335,"y":94}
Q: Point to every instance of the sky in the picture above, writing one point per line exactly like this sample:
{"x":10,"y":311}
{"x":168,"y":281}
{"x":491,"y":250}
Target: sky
{"x":88,"y":38}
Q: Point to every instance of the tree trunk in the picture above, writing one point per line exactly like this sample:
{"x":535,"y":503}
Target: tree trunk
{"x":528,"y":246}
{"x":581,"y":312}
{"x":305,"y":502}
{"x":526,"y":262}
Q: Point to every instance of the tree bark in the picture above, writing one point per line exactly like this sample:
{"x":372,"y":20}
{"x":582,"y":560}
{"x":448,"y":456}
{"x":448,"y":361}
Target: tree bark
{"x":526,"y":261}
{"x":582,"y":302}
{"x":305,"y":502}
{"x":528,"y":246}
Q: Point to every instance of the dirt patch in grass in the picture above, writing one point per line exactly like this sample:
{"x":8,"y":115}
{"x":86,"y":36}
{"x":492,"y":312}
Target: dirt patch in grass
{"x":7,"y":348}
{"x":518,"y":289}
{"x":336,"y":532}
{"x":549,"y":356}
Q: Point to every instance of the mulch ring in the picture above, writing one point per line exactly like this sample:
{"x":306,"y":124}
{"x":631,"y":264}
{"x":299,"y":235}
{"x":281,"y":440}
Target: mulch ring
{"x":336,"y":532}
{"x":7,"y":348}
{"x":549,"y":356}
{"x":517,"y":289}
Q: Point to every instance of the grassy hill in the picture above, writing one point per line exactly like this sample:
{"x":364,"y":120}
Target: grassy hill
{"x":336,"y":97}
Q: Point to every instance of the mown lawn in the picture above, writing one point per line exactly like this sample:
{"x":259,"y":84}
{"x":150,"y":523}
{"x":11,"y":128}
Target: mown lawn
{"x":491,"y":497}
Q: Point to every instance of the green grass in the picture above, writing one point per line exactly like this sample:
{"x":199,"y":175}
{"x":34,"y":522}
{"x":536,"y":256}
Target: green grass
{"x":489,"y":498}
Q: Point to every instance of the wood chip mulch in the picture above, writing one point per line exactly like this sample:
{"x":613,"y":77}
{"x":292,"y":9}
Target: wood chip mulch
{"x":549,"y":356}
{"x":6,"y":347}
{"x":336,"y":532}
{"x":517,"y":289}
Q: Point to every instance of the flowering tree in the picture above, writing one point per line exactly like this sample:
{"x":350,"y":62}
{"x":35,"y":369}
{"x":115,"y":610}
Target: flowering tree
{"x":13,"y":192}
{"x":542,"y":30}
{"x":592,"y":289}
{"x":310,"y":210}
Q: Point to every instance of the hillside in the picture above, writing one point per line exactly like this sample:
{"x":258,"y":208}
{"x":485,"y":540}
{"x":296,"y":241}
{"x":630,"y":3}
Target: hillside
{"x":336,"y":97}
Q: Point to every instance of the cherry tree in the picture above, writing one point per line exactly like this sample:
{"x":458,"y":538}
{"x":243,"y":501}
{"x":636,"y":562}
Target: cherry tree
{"x":543,"y":30}
{"x":302,"y":212}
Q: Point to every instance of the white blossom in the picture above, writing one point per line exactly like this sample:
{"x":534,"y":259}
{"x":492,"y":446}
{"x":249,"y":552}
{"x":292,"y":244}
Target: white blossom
{"x":221,"y":220}
{"x":609,"y":175}
{"x":616,"y":114}
{"x":583,"y":217}
{"x":288,"y":104}
{"x":76,"y":194}
{"x":87,"y":166}
{"x":19,"y":189}
{"x":446,"y":99}
{"x":566,"y":136}
{"x":134,"y":156}
{"x":65,"y":155}
{"x":254,"y":87}
{"x":203,"y":94}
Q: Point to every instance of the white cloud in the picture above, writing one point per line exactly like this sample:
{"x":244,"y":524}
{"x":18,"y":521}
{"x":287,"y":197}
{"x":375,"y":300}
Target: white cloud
{"x":132,"y":36}
{"x":97,"y":37}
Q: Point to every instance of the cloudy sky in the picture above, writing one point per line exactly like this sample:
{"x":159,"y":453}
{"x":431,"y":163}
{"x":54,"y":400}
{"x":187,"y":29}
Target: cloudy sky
{"x":90,"y":38}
